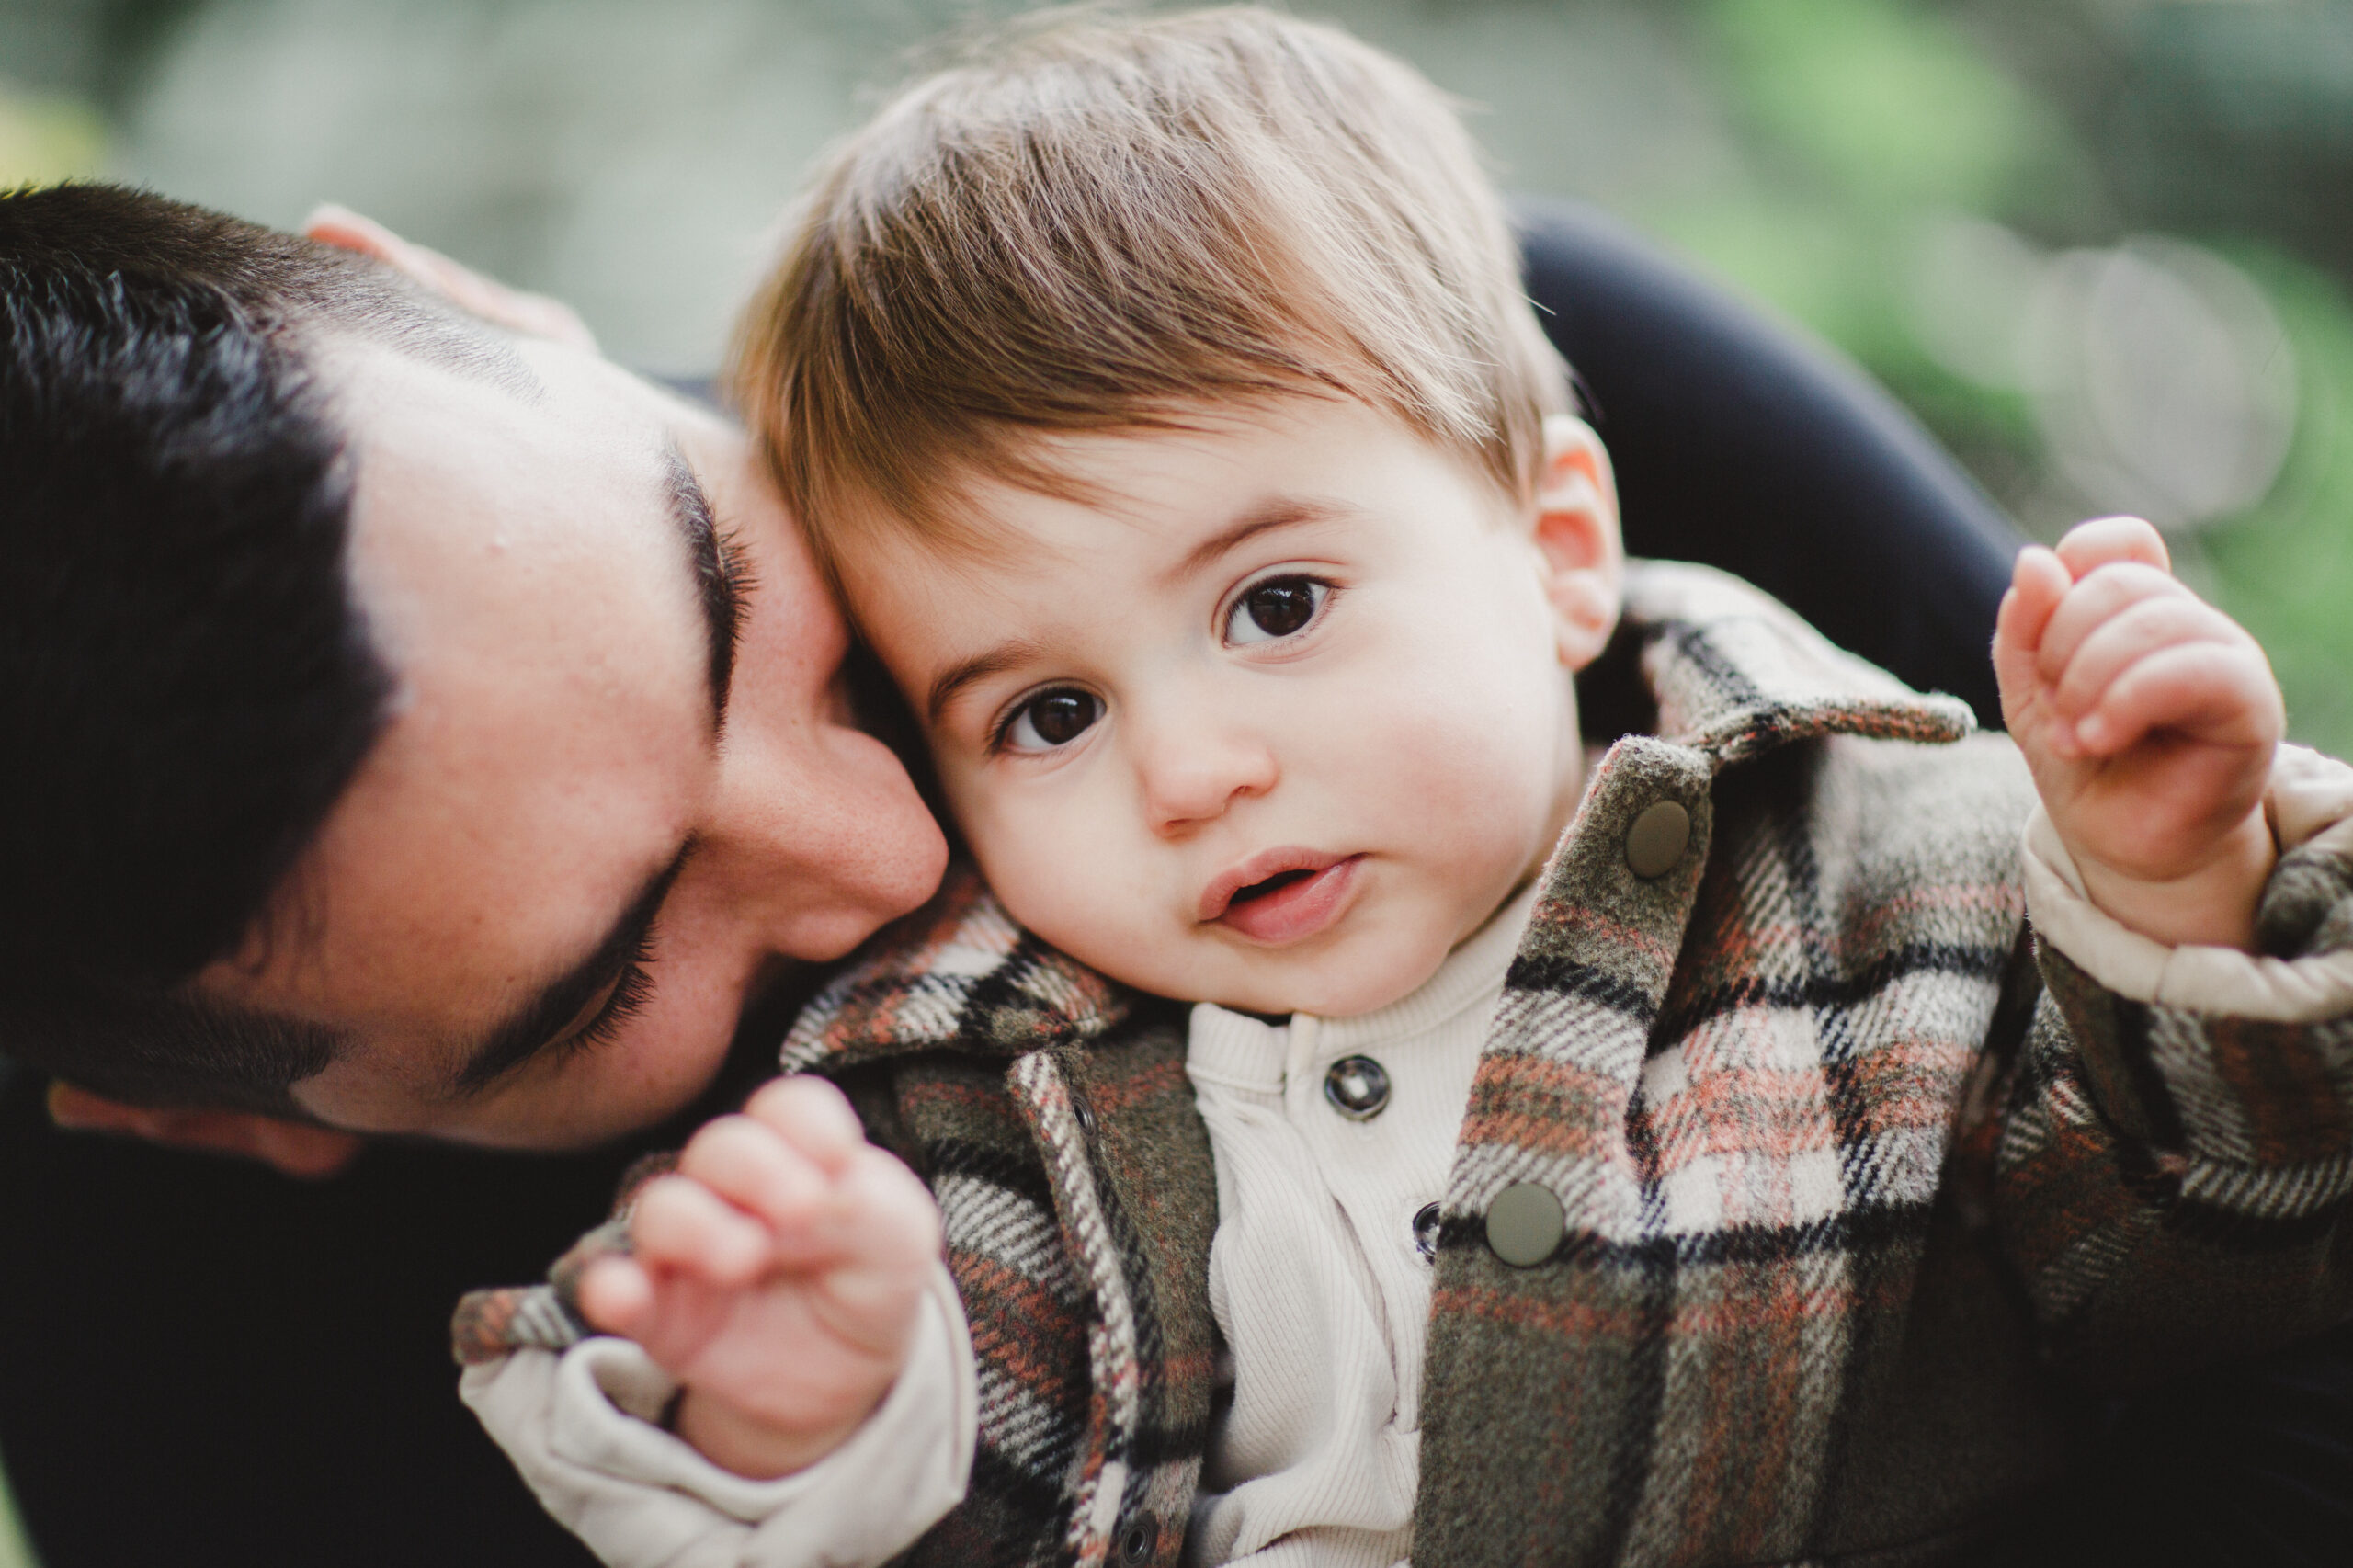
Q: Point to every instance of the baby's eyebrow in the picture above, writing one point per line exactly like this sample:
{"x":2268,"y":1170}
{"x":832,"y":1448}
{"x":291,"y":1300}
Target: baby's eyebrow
{"x":1276,"y":512}
{"x":952,"y":680}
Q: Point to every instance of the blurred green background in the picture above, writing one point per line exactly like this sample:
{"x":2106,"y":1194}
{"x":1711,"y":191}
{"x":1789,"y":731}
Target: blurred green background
{"x":2101,"y":246}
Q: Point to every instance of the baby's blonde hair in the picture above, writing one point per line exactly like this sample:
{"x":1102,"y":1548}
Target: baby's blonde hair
{"x":1098,"y":224}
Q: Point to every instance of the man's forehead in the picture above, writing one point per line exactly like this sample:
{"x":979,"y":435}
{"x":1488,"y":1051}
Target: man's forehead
{"x":541,"y":393}
{"x":520,"y":565}
{"x":446,"y":464}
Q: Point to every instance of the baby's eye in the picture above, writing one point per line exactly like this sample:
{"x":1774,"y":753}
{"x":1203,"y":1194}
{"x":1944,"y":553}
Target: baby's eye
{"x":1276,"y":608}
{"x":1050,"y":718}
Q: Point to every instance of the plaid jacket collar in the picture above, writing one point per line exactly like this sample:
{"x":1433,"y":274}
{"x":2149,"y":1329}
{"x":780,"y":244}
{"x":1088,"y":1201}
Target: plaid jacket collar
{"x":1729,"y":673}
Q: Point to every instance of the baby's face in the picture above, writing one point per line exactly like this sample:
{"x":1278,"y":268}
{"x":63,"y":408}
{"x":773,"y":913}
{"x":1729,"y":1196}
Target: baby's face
{"x":1274,"y":718}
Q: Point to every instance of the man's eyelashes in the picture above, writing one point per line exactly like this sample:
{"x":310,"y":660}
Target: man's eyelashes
{"x":632,"y":988}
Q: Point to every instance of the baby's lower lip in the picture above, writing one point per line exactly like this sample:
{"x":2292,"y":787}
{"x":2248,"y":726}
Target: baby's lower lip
{"x":1297,"y":909}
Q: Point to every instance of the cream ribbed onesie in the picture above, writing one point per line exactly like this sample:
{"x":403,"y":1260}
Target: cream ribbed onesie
{"x":1331,"y":1136}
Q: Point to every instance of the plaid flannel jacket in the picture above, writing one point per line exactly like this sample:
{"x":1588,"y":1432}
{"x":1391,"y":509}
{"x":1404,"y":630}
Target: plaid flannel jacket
{"x":1848,"y":1168}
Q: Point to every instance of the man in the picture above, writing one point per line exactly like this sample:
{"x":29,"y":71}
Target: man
{"x":448,"y":737}
{"x":420,"y":728}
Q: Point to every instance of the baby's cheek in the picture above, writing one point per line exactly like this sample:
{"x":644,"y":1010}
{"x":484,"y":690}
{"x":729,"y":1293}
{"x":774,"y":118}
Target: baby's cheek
{"x":1057,"y":872}
{"x":1473,"y":770}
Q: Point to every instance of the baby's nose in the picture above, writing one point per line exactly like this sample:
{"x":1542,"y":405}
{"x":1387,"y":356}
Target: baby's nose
{"x":1196,"y":778}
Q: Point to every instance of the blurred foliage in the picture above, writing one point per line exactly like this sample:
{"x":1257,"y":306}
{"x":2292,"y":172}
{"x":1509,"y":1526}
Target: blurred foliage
{"x":48,"y":137}
{"x":1865,"y":123}
{"x":2285,"y":569}
{"x":1866,"y":117}
{"x":15,"y":1553}
{"x":2239,"y":118}
{"x":95,"y":49}
{"x":1887,"y":104}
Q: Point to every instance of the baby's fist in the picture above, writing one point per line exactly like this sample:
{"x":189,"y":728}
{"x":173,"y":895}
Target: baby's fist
{"x":777,"y":1275}
{"x":2149,"y":719}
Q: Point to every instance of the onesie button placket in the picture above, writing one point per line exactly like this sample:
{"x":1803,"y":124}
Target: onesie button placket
{"x":1358,"y":1087}
{"x":1426,"y":1227}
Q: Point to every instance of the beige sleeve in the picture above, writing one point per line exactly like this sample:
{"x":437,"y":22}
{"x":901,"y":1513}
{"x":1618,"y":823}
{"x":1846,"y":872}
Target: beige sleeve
{"x":2310,"y":801}
{"x":581,"y":1427}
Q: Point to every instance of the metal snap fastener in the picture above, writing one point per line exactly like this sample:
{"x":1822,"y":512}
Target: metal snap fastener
{"x":1358,"y":1087}
{"x":1086,"y":1115}
{"x":1525,"y":1224}
{"x":1426,"y":1220}
{"x":1658,"y":839}
{"x":1136,"y":1542}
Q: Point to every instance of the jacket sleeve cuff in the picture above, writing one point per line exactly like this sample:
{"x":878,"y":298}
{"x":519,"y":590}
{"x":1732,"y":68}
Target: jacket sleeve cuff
{"x":580,"y":1428}
{"x":2310,"y":799}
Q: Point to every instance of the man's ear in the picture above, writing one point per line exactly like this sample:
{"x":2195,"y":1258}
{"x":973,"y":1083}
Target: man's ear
{"x":1582,"y":560}
{"x":292,"y":1148}
{"x":531,"y":315}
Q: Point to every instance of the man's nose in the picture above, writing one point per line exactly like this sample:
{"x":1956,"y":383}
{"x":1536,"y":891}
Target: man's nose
{"x":1192,"y":774}
{"x":822,"y":834}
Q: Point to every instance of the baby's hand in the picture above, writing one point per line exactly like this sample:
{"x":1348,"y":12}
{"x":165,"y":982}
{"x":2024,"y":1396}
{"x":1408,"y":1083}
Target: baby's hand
{"x":2149,"y":719}
{"x":777,"y":1275}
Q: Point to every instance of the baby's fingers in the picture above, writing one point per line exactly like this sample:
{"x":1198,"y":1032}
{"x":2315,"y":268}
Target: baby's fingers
{"x":2111,"y":541}
{"x":2141,"y":627}
{"x":2213,"y":693}
{"x":682,"y":1226}
{"x":812,"y":1116}
{"x":2091,"y":604}
{"x":2039,"y":580}
{"x":617,"y":1295}
{"x":790,"y":1181}
{"x":893,"y":1213}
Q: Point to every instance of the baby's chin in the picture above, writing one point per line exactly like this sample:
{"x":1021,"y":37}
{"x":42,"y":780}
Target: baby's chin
{"x":1326,"y":991}
{"x":1359,"y":969}
{"x":1365,"y":971}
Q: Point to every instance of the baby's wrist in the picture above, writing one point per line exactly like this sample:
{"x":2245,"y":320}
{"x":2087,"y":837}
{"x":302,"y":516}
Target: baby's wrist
{"x":2211,"y":906}
{"x":756,"y":1446}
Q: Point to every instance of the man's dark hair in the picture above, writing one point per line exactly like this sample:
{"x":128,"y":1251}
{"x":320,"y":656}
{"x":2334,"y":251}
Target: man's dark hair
{"x":186,"y":684}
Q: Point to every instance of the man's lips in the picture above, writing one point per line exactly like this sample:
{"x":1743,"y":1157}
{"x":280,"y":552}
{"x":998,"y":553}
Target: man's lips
{"x":1281,"y":895}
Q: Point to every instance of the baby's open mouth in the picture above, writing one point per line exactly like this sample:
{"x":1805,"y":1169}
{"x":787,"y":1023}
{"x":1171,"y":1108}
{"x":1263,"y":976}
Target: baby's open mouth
{"x":1298,"y":894}
{"x":1275,"y":883}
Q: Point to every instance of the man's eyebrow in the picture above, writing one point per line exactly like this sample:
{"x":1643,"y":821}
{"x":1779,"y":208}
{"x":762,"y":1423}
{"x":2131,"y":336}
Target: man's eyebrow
{"x":956,"y":677}
{"x":721,"y":579}
{"x":1279,"y":512}
{"x":532,"y":1027}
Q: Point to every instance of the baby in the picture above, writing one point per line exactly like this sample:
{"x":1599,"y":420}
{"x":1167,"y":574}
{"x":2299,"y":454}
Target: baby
{"x":1677,"y":1154}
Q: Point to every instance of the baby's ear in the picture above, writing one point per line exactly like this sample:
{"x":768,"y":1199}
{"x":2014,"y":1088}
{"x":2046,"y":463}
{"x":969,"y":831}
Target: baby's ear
{"x":1580,"y":557}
